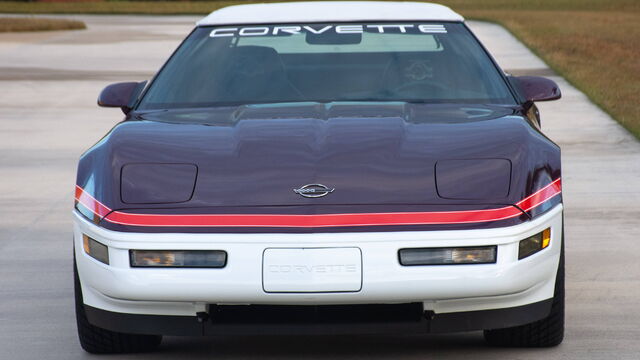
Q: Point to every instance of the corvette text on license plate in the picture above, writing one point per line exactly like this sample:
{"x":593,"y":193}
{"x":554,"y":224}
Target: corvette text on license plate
{"x":312,"y":270}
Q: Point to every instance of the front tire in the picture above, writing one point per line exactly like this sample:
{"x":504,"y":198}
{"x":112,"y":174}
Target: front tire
{"x":546,"y":332}
{"x":96,"y":340}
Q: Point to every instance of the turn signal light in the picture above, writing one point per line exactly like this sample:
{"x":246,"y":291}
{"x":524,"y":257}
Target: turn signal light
{"x":95,"y":249}
{"x":448,"y":256}
{"x":178,"y":258}
{"x":533,"y":244}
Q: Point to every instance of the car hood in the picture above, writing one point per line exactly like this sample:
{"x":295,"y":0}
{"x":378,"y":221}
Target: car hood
{"x":370,"y":153}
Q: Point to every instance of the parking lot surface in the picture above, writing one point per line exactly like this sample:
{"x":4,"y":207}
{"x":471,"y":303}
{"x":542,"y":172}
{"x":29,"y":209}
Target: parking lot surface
{"x":48,"y":115}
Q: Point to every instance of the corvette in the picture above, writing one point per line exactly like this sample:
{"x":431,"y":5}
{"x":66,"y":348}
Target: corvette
{"x":339,"y":29}
{"x":322,"y":167}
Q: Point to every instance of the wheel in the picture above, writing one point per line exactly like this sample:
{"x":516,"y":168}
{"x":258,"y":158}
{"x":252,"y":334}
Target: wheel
{"x":101,"y":341}
{"x":542,"y":333}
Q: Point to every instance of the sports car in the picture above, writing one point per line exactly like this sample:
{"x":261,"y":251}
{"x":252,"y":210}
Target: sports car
{"x":322,"y":167}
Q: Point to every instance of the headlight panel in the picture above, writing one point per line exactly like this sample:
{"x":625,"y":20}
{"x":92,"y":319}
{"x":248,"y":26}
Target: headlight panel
{"x":178,"y":258}
{"x":448,"y":256}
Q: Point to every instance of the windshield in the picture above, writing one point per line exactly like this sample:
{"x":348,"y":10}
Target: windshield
{"x":410,"y":62}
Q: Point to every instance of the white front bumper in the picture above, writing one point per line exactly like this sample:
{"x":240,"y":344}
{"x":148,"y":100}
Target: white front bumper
{"x":445,"y":288}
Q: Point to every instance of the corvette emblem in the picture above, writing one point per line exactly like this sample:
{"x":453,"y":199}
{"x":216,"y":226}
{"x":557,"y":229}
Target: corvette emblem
{"x":313,"y":190}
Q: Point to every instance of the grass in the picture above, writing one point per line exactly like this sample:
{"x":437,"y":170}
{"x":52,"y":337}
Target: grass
{"x":596,"y":51}
{"x":595,"y":44}
{"x":19,"y":24}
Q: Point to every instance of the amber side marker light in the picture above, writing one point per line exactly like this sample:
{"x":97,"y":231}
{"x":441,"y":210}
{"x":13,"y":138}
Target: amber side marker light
{"x":178,"y":258}
{"x":95,"y":249}
{"x":533,"y":244}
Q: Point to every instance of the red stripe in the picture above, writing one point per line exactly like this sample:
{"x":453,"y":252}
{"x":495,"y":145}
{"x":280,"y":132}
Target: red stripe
{"x":540,"y":196}
{"x":91,"y":203}
{"x":319,"y":220}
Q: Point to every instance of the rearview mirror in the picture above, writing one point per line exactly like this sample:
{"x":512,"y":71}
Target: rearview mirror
{"x":536,"y":88}
{"x":122,"y":95}
{"x":332,"y":38}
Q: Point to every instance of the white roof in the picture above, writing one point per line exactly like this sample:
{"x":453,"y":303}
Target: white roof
{"x":329,"y":11}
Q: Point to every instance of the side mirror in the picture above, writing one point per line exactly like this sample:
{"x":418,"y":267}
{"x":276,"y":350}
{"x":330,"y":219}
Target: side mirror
{"x":536,"y":88}
{"x":122,"y":95}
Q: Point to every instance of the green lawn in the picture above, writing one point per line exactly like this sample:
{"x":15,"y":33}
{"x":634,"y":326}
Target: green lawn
{"x":15,"y":24}
{"x":595,"y":44}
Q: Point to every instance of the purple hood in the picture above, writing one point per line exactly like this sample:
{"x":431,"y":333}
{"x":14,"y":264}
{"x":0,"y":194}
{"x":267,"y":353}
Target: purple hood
{"x":392,"y":154}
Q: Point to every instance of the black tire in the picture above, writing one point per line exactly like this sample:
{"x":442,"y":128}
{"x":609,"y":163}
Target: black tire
{"x":101,"y":341}
{"x":547,"y":332}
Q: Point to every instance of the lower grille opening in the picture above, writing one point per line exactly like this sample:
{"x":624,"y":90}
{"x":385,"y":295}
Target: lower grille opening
{"x":315,"y":314}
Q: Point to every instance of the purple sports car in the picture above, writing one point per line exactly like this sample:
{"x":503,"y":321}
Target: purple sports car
{"x":322,"y":167}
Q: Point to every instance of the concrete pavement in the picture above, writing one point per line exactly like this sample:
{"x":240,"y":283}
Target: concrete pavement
{"x":48,"y":88}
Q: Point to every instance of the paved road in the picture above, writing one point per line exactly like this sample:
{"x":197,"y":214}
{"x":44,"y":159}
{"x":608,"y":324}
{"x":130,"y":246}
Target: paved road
{"x":48,"y":86}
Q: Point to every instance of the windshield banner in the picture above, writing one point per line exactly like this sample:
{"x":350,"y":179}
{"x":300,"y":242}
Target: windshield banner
{"x":286,"y":30}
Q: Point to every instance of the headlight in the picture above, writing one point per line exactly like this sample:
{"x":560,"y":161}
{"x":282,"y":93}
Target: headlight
{"x":95,"y":249}
{"x":178,"y":258}
{"x":448,"y":256}
{"x":157,"y":183}
{"x":533,"y":244}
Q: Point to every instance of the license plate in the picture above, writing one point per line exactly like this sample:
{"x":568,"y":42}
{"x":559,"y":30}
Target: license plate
{"x":312,"y":270}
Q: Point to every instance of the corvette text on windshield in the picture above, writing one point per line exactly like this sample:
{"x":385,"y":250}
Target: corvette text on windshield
{"x":320,"y":29}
